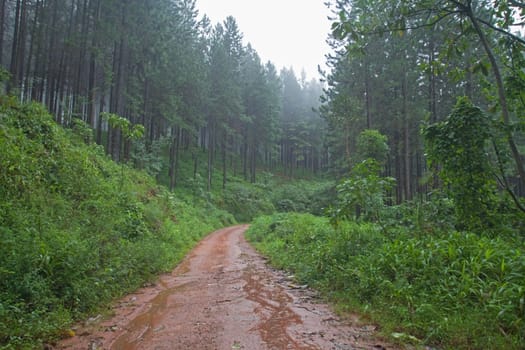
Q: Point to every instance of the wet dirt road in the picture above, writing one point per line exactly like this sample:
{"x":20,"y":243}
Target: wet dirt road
{"x":222,"y":296}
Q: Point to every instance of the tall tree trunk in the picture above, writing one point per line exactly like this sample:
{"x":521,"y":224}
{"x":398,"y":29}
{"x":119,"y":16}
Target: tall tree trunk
{"x":61,"y":83}
{"x":407,"y":170}
{"x":368,"y":95}
{"x":77,"y":92}
{"x":92,"y":88}
{"x":253,"y":161}
{"x":14,"y":50}
{"x":432,"y":103}
{"x":2,"y":31}
{"x":211,"y":150}
{"x":21,"y":55}
{"x":99,"y":119}
{"x":51,"y":63}
{"x":224,"y":162}
{"x":93,"y":68}
{"x":173,"y":155}
{"x":244,"y":156}
{"x":42,"y":40}
{"x":195,"y":163}
{"x":29,"y":77}
{"x":145,"y":109}
{"x":501,"y":96}
{"x":177,"y":157}
{"x":115,"y":103}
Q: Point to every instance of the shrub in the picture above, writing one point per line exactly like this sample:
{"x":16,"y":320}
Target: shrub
{"x":246,"y":201}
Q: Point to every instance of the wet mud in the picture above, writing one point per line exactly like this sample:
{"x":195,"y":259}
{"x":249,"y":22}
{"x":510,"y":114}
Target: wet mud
{"x":222,"y":296}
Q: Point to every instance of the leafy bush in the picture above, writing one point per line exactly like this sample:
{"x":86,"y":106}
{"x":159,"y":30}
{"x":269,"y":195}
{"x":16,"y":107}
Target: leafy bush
{"x":363,"y":194}
{"x":371,"y":144}
{"x":302,"y":196}
{"x":246,"y":201}
{"x":454,"y":290}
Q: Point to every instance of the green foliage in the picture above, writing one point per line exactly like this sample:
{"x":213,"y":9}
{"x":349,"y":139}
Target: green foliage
{"x":246,"y":201}
{"x":451,"y":290}
{"x":130,"y":132}
{"x":149,"y":158}
{"x":4,"y":75}
{"x":83,"y":130}
{"x":371,"y":144}
{"x":74,"y":235}
{"x":302,"y":196}
{"x":458,"y":145}
{"x":433,"y":215}
{"x":363,"y":194}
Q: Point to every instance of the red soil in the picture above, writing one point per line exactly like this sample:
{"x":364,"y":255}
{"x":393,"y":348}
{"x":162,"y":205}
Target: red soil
{"x":222,"y":296}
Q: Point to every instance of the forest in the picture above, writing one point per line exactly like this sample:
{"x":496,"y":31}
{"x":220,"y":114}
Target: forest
{"x":395,"y":185}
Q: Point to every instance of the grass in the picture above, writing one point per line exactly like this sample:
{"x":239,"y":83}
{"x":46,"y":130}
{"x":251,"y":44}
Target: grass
{"x":453,"y":290}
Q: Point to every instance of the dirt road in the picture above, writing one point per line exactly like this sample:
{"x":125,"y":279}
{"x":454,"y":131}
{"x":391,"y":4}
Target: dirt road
{"x":222,"y":296}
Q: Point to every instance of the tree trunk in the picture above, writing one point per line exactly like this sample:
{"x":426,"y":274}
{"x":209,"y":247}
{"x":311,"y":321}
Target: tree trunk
{"x":51,"y":62}
{"x":14,"y":50}
{"x":432,"y":105}
{"x":245,"y":157}
{"x":501,"y":96}
{"x":368,"y":95}
{"x":172,"y":158}
{"x":211,"y":150}
{"x":195,"y":163}
{"x":93,"y":68}
{"x":99,"y":119}
{"x":253,"y":161}
{"x":2,"y":31}
{"x":224,"y":163}
{"x":29,"y":77}
{"x":407,"y":170}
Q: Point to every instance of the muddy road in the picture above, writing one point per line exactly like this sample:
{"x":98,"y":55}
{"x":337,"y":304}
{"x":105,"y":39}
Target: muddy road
{"x":222,"y":296}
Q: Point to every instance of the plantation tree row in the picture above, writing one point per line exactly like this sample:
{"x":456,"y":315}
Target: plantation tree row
{"x":194,"y":87}
{"x":399,"y":66}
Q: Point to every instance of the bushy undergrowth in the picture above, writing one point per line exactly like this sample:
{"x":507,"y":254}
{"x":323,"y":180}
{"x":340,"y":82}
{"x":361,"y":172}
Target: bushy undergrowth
{"x":246,"y":201}
{"x":453,"y":290}
{"x":302,"y":196}
{"x":76,"y":229}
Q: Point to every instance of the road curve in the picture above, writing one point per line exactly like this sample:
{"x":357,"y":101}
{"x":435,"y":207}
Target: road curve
{"x":222,"y":296}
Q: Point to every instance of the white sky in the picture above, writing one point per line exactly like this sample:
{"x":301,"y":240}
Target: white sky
{"x":286,"y":32}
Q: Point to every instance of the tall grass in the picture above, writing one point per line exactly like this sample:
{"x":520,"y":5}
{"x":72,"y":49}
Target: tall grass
{"x":454,"y":290}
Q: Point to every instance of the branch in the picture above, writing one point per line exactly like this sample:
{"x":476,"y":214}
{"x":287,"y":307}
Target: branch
{"x":503,"y":180}
{"x":503,"y":31}
{"x":517,"y":3}
{"x":415,"y":27}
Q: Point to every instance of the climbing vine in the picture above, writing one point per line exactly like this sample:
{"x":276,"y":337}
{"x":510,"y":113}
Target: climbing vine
{"x":457,"y":147}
